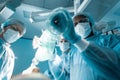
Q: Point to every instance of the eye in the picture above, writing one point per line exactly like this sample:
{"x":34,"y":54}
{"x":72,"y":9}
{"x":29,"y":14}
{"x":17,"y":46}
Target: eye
{"x":61,"y":41}
{"x":76,"y":23}
{"x":14,"y":27}
{"x":84,"y":20}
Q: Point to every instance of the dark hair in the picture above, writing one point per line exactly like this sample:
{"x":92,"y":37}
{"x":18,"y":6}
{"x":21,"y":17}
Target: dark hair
{"x":13,"y":22}
{"x":90,"y":20}
{"x":84,"y":16}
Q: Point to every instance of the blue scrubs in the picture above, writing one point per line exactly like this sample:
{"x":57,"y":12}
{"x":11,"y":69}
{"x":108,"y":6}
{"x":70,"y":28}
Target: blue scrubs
{"x":100,"y":61}
{"x":61,"y":70}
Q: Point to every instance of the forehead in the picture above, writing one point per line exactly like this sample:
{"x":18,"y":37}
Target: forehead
{"x":79,"y":17}
{"x":16,"y":27}
{"x":63,"y":40}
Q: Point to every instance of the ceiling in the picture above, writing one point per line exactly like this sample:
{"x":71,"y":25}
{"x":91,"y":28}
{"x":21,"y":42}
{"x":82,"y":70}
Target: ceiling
{"x":51,"y":4}
{"x":42,"y":6}
{"x":100,"y":10}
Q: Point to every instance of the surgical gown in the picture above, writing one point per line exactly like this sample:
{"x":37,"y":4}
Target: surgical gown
{"x":59,"y":68}
{"x":100,"y":61}
{"x":6,"y":61}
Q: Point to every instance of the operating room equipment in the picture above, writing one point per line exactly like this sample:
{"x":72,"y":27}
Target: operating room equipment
{"x":80,"y":5}
{"x":8,"y":6}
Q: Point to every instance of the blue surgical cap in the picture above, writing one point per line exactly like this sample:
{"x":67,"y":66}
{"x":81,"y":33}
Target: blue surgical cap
{"x":13,"y":21}
{"x":87,"y":16}
{"x":91,"y":20}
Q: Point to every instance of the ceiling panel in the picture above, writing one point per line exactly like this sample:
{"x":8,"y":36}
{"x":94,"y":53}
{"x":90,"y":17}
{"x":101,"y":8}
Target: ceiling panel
{"x":113,"y":14}
{"x":98,"y":8}
{"x":58,"y":3}
{"x":49,"y":4}
{"x":38,"y":3}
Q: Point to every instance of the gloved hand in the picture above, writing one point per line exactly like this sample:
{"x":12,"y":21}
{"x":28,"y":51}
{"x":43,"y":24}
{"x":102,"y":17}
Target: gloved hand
{"x":60,"y":23}
{"x":29,"y":70}
{"x":36,"y":42}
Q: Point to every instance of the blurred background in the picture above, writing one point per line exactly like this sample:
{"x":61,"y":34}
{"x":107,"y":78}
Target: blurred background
{"x":33,"y":13}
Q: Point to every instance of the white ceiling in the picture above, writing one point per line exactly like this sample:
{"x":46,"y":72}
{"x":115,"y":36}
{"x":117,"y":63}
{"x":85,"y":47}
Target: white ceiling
{"x":105,"y":10}
{"x":49,"y":4}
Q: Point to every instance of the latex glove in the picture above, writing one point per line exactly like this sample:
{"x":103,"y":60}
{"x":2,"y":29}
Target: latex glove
{"x":57,"y":60}
{"x":36,"y":42}
{"x":29,"y":70}
{"x":60,"y":23}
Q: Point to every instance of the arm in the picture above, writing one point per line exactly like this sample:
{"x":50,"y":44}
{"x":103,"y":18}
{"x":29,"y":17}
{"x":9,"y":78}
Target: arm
{"x":57,"y":68}
{"x":98,"y":57}
{"x":104,"y":60}
{"x":32,"y":66}
{"x":49,"y":74}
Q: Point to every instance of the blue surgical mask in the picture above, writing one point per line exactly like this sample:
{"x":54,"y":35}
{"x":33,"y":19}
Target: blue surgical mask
{"x":11,"y":36}
{"x":83,"y":29}
{"x":64,"y":46}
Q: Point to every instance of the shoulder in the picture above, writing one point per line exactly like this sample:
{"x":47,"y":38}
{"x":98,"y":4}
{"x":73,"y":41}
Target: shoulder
{"x":107,"y":40}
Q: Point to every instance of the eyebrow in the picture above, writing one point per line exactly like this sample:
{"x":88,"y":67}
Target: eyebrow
{"x":14,"y":27}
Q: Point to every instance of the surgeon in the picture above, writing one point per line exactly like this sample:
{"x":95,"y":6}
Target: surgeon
{"x":97,"y":57}
{"x":12,"y":30}
{"x":60,"y":65}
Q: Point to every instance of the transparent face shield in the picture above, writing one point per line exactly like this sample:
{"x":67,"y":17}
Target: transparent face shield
{"x":46,"y":47}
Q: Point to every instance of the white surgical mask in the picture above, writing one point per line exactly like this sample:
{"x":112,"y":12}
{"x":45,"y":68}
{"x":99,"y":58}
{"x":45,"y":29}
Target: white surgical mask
{"x":83,"y":29}
{"x":64,"y":46}
{"x":11,"y":36}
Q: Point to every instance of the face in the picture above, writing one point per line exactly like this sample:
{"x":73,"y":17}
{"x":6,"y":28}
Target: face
{"x":15,"y":27}
{"x":80,"y":20}
{"x":12,"y":33}
{"x":64,"y":45}
{"x":63,"y":41}
{"x":82,"y":26}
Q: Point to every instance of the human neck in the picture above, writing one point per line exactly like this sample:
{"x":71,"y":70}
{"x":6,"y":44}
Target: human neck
{"x":91,"y":34}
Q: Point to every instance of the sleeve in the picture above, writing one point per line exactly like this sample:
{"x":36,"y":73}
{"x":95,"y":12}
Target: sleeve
{"x":104,"y":60}
{"x":49,"y":74}
{"x":57,"y":68}
{"x":2,"y":49}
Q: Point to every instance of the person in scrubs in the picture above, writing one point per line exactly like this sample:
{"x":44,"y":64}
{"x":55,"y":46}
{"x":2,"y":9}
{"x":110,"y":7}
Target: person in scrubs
{"x":95,"y":57}
{"x":12,"y":30}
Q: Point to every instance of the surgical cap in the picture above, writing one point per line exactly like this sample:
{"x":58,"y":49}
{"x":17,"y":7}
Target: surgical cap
{"x":91,"y":21}
{"x":13,"y":22}
{"x":87,"y":16}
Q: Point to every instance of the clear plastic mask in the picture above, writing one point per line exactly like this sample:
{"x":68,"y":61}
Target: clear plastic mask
{"x":11,"y":36}
{"x":46,"y":47}
{"x":83,"y":29}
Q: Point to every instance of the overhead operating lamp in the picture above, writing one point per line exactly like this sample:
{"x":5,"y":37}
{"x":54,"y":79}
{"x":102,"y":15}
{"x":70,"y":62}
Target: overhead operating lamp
{"x":80,"y":5}
{"x":7,"y":8}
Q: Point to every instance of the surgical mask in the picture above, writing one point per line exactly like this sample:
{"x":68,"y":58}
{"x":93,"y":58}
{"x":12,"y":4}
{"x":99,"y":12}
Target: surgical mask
{"x":11,"y":36}
{"x":83,"y":29}
{"x":64,"y":46}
